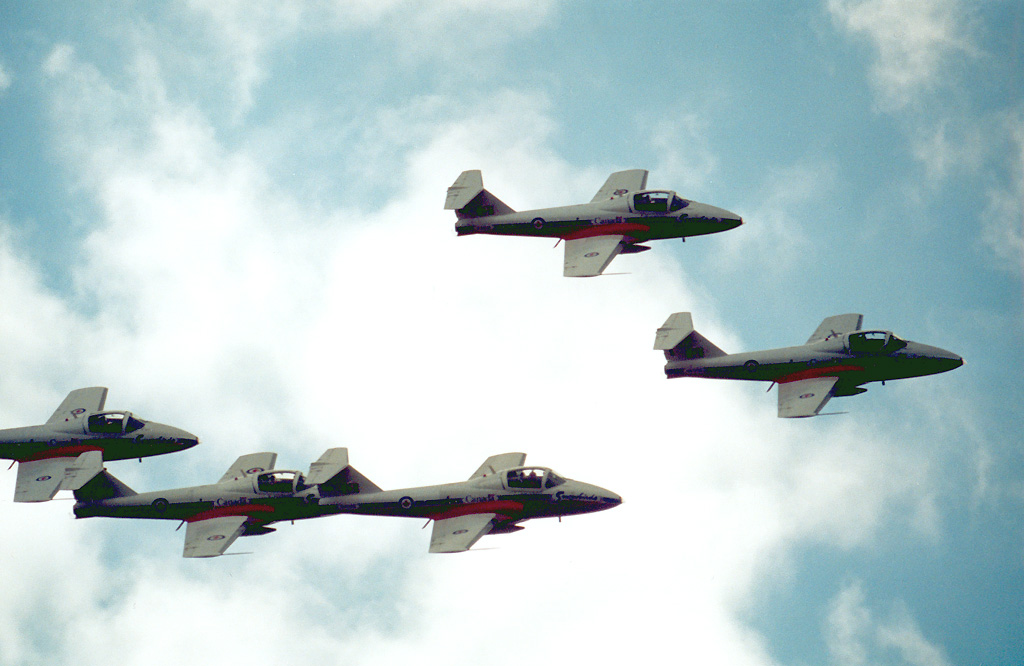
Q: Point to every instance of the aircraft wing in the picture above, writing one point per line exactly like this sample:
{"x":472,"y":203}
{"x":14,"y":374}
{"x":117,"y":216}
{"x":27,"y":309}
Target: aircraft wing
{"x":499,"y":462}
{"x":588,"y":257}
{"x":80,"y":401}
{"x":836,"y":325}
{"x":39,"y":480}
{"x":805,"y":397}
{"x":211,"y":537}
{"x":454,"y":535}
{"x":250,"y":463}
{"x":621,"y":183}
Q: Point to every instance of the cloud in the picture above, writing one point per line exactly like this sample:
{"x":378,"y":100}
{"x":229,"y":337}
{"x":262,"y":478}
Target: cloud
{"x":265,"y":322}
{"x":914,"y":43}
{"x":856,"y":637}
{"x":1003,"y":218}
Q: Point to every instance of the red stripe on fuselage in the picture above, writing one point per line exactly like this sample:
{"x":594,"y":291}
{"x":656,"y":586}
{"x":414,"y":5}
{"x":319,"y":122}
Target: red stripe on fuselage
{"x":72,"y":451}
{"x":495,"y":506}
{"x":814,"y":373}
{"x":617,"y":229}
{"x":238,"y":510}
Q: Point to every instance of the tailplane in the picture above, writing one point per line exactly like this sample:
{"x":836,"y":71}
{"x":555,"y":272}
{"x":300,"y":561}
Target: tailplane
{"x":468,"y":198}
{"x":680,"y":342}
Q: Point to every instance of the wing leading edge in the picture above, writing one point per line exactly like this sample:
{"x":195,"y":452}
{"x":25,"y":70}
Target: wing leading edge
{"x":836,"y":325}
{"x":588,"y":257}
{"x":213,"y":536}
{"x":454,"y":535}
{"x":805,"y":397}
{"x":621,"y":183}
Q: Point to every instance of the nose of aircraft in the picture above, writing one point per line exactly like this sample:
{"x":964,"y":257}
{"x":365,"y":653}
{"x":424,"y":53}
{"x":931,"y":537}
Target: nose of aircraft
{"x":937,"y":359}
{"x":718,"y":219}
{"x":184,"y":438}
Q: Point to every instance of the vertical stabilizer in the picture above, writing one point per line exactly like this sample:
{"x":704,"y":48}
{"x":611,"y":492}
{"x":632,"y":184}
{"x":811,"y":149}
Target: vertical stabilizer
{"x":468,"y":198}
{"x":680,"y":342}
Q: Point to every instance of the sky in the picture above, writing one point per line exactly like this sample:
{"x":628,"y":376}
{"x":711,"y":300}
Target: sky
{"x":231,"y":214}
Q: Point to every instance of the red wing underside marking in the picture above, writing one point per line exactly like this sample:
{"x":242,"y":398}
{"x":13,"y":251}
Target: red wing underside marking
{"x":71,"y":451}
{"x":502,"y":507}
{"x":814,"y":373}
{"x":246,"y":510}
{"x":617,"y":229}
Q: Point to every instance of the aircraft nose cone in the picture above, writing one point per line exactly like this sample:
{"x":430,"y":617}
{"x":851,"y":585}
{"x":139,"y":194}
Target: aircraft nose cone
{"x":184,"y":438}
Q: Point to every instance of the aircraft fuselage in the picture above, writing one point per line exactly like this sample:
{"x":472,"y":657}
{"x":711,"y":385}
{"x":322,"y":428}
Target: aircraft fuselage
{"x":435,"y":502}
{"x":806,"y":362}
{"x":613,"y":217}
{"x":46,"y":441}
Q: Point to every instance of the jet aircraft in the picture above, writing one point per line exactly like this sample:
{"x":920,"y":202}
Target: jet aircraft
{"x":620,"y":217}
{"x":252,"y":495}
{"x":69,"y":449}
{"x":836,"y":360}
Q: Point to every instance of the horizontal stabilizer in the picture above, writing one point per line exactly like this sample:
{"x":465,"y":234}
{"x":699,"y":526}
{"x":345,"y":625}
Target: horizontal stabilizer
{"x":678,"y":339}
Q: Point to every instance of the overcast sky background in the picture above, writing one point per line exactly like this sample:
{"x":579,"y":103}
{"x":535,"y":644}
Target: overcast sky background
{"x":230,"y":213}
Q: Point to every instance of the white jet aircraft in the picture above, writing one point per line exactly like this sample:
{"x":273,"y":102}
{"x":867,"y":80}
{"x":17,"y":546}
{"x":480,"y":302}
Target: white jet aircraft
{"x":620,"y":217}
{"x":252,"y":495}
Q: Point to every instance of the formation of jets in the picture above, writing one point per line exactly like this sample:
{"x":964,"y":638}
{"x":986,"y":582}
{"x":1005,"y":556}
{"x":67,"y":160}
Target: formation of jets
{"x":252,"y":495}
{"x":68,"y":452}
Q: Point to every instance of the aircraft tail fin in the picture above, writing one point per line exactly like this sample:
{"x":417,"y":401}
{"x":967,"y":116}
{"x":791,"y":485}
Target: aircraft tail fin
{"x":680,"y":342}
{"x":103,"y":486}
{"x":468,"y":198}
{"x":334,"y":476}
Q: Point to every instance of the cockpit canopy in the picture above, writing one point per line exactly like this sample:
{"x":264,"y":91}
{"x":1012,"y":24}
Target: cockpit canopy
{"x":532,"y":478}
{"x":658,"y":202}
{"x":873,"y":343}
{"x":114,"y":423}
{"x":281,"y":481}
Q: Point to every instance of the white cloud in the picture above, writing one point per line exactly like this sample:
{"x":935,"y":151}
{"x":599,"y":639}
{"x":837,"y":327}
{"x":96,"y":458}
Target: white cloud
{"x":262,"y":322}
{"x":5,"y":78}
{"x":855,"y":636}
{"x":915,"y":43}
{"x":1003,"y":218}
